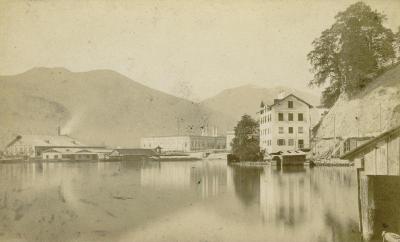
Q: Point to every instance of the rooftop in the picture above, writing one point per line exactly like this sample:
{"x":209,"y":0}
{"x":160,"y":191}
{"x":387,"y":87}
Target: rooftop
{"x":136,"y":151}
{"x":351,"y":154}
{"x":277,"y":101}
{"x":49,"y":140}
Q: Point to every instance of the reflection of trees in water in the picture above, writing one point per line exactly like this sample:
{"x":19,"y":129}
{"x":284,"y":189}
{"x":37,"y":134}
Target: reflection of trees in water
{"x":246,"y":181}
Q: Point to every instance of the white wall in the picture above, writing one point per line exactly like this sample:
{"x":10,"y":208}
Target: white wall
{"x":282,"y":107}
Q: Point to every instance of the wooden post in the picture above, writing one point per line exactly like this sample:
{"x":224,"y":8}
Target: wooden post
{"x":367,"y":205}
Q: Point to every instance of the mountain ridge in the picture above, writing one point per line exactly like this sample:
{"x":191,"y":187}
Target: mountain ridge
{"x":106,"y":107}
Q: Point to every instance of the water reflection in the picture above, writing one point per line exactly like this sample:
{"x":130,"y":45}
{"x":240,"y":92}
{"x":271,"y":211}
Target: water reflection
{"x":121,"y":197}
{"x":285,"y":195}
{"x":246,"y":181}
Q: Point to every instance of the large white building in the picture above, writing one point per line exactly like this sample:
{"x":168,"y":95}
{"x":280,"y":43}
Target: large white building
{"x":187,"y":143}
{"x":285,"y":125}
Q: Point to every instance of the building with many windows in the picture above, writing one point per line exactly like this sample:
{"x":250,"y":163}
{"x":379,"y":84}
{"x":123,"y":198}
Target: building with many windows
{"x":285,"y":125}
{"x":187,"y":143}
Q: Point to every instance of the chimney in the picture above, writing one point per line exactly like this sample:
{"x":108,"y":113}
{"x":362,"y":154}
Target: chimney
{"x":59,"y":131}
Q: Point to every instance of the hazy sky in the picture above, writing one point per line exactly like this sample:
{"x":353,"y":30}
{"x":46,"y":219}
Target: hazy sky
{"x":192,"y":49}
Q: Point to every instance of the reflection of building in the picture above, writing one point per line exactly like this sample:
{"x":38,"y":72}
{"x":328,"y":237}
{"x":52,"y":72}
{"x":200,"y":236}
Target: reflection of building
{"x":285,"y":198}
{"x":184,"y":143}
{"x":229,"y":138}
{"x":285,"y":125}
{"x":207,"y":177}
{"x":34,"y":145}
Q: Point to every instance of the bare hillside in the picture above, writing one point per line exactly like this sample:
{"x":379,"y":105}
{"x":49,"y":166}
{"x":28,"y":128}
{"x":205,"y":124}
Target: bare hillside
{"x":374,"y":110}
{"x":97,"y":107}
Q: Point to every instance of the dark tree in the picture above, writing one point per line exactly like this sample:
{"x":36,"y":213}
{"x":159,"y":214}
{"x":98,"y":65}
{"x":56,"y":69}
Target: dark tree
{"x":245,"y":144}
{"x":355,"y":49}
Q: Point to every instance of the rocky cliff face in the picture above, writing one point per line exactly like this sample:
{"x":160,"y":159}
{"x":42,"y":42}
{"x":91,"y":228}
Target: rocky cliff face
{"x":373,"y":111}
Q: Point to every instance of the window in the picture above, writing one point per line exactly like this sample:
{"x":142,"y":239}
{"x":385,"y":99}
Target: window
{"x":300,"y":117}
{"x":301,"y":143}
{"x":47,"y":156}
{"x":290,"y":130}
{"x":290,"y":142}
{"x":280,"y":117}
{"x":290,"y":116}
{"x":290,"y":104}
{"x":281,"y":130}
{"x":281,"y":142}
{"x":56,"y":157}
{"x":301,"y":130}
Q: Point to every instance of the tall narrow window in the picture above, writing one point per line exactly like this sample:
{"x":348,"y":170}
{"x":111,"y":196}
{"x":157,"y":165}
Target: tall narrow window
{"x":290,"y":104}
{"x":290,"y":130}
{"x":281,"y":130}
{"x":290,"y":117}
{"x":301,"y":130}
{"x":301,"y":143}
{"x":280,"y":116}
{"x":300,"y":117}
{"x":290,"y":142}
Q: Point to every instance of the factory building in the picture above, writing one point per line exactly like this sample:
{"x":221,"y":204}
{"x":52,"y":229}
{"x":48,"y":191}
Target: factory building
{"x":189,"y":143}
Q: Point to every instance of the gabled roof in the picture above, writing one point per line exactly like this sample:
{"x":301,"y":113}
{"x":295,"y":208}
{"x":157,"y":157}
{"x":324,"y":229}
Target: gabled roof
{"x":76,"y":150}
{"x":66,"y":150}
{"x":49,"y":140}
{"x":351,"y":154}
{"x":277,"y":101}
{"x":136,"y":151}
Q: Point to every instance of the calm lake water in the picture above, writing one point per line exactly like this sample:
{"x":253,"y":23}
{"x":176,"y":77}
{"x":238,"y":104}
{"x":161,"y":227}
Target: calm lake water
{"x":176,"y":201}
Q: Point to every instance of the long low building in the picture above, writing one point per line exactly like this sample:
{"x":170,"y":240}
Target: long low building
{"x":75,"y":154}
{"x":35,"y":145}
{"x":187,"y":143}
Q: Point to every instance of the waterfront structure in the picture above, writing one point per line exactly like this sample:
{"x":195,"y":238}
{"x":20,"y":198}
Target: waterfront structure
{"x":132,"y":154}
{"x":74,"y":154}
{"x":34,"y":145}
{"x":188,"y":143}
{"x":285,"y":125}
{"x":378,"y":174}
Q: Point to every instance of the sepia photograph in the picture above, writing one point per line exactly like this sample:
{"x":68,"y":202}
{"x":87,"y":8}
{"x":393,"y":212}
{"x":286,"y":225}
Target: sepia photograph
{"x":199,"y":121}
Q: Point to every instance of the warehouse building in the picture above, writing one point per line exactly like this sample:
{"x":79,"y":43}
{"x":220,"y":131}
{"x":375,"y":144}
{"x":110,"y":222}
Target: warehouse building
{"x":34,"y":145}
